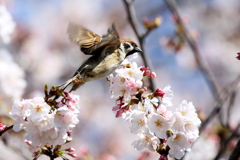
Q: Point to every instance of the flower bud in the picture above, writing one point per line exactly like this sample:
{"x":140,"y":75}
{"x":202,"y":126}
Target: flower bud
{"x":69,"y":133}
{"x":157,"y":21}
{"x":2,"y":127}
{"x":159,"y":93}
{"x":163,"y":157}
{"x":238,"y":57}
{"x":153,"y":75}
{"x":147,"y":73}
{"x":28,"y":142}
{"x":144,"y":68}
{"x":70,"y":149}
{"x":72,"y":155}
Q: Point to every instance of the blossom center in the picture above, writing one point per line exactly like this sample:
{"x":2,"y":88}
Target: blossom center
{"x":147,"y":139}
{"x":130,"y":73}
{"x":38,"y":108}
{"x":183,"y":112}
{"x":141,"y":122}
{"x":158,"y":123}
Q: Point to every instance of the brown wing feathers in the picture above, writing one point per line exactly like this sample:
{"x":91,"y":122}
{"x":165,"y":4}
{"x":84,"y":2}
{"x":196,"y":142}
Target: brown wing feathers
{"x":90,"y":43}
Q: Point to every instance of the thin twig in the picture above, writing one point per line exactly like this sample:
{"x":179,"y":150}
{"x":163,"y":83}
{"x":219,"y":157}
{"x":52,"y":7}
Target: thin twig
{"x":226,"y":92}
{"x":7,"y":128}
{"x":225,"y":143}
{"x":207,"y":73}
{"x":231,"y":102}
{"x":236,"y":152}
{"x":134,"y":23}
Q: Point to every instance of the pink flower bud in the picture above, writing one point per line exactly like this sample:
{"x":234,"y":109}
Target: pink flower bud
{"x":238,"y":57}
{"x":144,"y":68}
{"x":153,"y":75}
{"x":69,"y":97}
{"x":163,"y":157}
{"x":159,"y":93}
{"x":147,"y":73}
{"x":2,"y":127}
{"x":116,"y":107}
{"x":72,"y":155}
{"x":119,"y":113}
{"x":28,"y":142}
{"x":71,"y":149}
{"x":69,"y":133}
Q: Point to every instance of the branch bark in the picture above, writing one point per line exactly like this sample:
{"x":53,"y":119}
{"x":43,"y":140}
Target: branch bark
{"x":236,"y":152}
{"x":207,"y":73}
{"x":134,"y":23}
{"x":225,"y":93}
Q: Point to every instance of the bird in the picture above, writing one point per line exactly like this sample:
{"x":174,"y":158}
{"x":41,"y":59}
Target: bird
{"x":107,"y":54}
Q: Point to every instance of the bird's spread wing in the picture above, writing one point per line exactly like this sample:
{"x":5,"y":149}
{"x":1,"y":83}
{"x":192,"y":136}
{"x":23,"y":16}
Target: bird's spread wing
{"x":91,"y":43}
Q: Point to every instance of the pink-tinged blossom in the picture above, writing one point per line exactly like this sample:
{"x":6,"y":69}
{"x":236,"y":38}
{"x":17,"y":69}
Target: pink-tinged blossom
{"x":133,"y":86}
{"x":132,"y":72}
{"x":139,"y":122}
{"x":38,"y":108}
{"x":162,"y":110}
{"x":65,"y":118}
{"x":178,"y":143}
{"x":187,"y":109}
{"x":149,"y":120}
{"x":177,"y":123}
{"x":158,"y":125}
{"x":20,"y":110}
{"x":44,"y":124}
{"x":146,"y":140}
{"x":168,"y":96}
{"x":191,"y":125}
{"x":150,"y":104}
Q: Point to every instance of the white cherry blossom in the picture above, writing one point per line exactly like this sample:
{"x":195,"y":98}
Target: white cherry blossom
{"x":158,"y":125}
{"x":146,"y":140}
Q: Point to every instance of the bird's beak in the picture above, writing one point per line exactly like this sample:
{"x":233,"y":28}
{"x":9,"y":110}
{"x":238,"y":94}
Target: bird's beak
{"x":137,"y":49}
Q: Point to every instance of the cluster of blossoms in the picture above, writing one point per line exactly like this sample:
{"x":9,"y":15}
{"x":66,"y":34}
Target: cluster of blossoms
{"x":12,"y":82}
{"x":7,"y":24}
{"x":158,"y":128}
{"x":46,"y":124}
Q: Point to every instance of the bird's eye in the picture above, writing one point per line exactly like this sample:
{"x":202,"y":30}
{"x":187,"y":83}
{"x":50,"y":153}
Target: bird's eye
{"x":126,"y":45}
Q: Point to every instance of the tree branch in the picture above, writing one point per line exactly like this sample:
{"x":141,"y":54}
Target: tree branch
{"x":207,"y":73}
{"x":7,"y":128}
{"x":221,"y":151}
{"x":134,"y":23}
{"x":225,"y":93}
{"x":231,"y":102}
{"x":236,"y":152}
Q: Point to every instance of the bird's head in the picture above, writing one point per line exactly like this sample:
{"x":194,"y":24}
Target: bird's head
{"x":129,"y":47}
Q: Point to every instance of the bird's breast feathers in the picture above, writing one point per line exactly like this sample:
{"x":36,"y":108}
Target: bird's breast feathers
{"x":109,"y":63}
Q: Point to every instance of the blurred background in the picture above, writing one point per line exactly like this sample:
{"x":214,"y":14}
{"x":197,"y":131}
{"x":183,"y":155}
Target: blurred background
{"x":35,"y":50}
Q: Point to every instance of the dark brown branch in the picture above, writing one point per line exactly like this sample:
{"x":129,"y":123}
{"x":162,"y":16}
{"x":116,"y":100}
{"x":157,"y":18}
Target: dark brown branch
{"x":231,"y":102}
{"x":222,"y":98}
{"x":225,"y":143}
{"x":7,"y":128}
{"x":207,"y":73}
{"x":236,"y":152}
{"x":134,"y":23}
